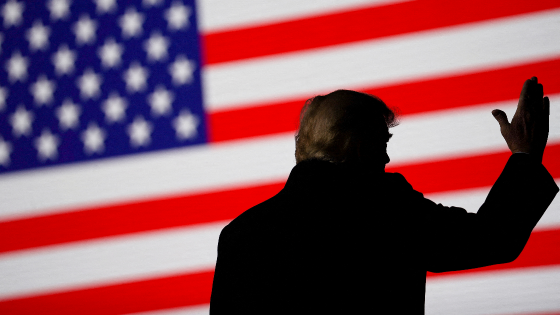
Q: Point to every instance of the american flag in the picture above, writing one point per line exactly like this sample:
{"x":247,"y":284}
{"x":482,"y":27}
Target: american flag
{"x":131,"y":132}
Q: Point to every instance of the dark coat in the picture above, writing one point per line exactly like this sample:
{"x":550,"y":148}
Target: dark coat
{"x":339,"y":240}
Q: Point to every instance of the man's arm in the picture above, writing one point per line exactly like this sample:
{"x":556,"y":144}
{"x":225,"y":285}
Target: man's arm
{"x":235,"y":289}
{"x":498,"y":232}
{"x":458,"y":240}
{"x":226,"y":274}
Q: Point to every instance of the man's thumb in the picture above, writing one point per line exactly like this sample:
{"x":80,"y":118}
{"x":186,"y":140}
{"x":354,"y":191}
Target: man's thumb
{"x":501,"y":117}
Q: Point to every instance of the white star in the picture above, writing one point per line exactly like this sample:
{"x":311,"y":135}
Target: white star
{"x":139,"y":132}
{"x":38,"y":36}
{"x":85,"y":30}
{"x":151,"y":3}
{"x":160,"y":101}
{"x":5,"y":150}
{"x":177,"y":16}
{"x":12,"y":12}
{"x":59,"y":9}
{"x":17,"y":67}
{"x":110,"y":53}
{"x":156,"y":47}
{"x":47,"y":146}
{"x":182,"y":70}
{"x":3,"y":96}
{"x":105,"y":6}
{"x":135,"y":77}
{"x":21,"y":121}
{"x":131,"y":23}
{"x":89,"y":84}
{"x":68,"y":115}
{"x":114,"y":108}
{"x":63,"y":60}
{"x":94,"y":139}
{"x":185,"y":125}
{"x":43,"y":90}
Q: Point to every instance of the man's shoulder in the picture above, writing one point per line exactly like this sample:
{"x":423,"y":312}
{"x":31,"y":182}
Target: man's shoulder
{"x":258,"y":215}
{"x":397,"y":181}
{"x":289,"y":204}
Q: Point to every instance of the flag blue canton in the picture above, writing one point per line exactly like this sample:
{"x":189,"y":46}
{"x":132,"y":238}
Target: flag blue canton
{"x":87,"y":80}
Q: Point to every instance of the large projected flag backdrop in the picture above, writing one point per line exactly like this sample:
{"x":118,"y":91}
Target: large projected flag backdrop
{"x":131,"y":132}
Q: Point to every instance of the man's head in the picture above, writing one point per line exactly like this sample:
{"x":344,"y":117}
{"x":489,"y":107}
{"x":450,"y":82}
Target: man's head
{"x":345,"y":127}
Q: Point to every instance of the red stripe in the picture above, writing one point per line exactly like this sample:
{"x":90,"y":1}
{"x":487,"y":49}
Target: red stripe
{"x":139,"y":296}
{"x":131,"y":217}
{"x":194,"y":289}
{"x":411,"y":98}
{"x":467,"y":172}
{"x":357,"y":25}
{"x":254,"y":121}
{"x":186,"y":210}
{"x":541,"y":250}
{"x":468,"y":89}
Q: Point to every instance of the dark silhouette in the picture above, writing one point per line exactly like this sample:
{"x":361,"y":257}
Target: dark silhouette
{"x":344,"y":237}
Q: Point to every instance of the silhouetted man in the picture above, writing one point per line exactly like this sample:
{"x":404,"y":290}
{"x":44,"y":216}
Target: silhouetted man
{"x":344,"y":237}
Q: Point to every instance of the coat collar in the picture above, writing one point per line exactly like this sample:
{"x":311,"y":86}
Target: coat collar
{"x":310,"y":175}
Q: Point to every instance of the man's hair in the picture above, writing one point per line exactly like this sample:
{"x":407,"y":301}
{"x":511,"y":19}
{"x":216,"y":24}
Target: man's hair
{"x":343,"y":126}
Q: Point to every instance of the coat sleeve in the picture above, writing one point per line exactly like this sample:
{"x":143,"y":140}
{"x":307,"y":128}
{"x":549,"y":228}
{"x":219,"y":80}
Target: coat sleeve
{"x":221,"y":300}
{"x":455,"y":240}
{"x":233,"y":288}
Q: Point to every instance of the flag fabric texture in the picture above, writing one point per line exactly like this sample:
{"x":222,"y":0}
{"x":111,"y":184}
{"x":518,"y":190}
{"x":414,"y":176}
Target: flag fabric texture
{"x":132,"y":132}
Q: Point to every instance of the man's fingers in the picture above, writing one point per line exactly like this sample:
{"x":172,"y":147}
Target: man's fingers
{"x":526,"y":90}
{"x":540,"y":92}
{"x":501,"y":117}
{"x":546,"y":106}
{"x":530,"y":92}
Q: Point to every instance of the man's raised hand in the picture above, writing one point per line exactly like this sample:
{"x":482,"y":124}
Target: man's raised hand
{"x":528,"y":130}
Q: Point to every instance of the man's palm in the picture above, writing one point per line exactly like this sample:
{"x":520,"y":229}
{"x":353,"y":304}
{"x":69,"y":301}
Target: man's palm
{"x":528,"y":130}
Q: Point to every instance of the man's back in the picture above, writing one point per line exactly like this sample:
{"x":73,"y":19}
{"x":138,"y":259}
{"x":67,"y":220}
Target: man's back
{"x":338,"y":238}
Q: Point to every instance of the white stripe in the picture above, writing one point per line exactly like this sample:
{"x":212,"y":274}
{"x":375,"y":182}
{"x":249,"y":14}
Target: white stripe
{"x":445,"y":51}
{"x":470,"y":294}
{"x":422,"y":137}
{"x":503,"y":292}
{"x":220,"y":15}
{"x":189,"y":310}
{"x":141,"y":177}
{"x":109,"y":260}
{"x":472,"y":199}
{"x":457,"y":132}
{"x":113,"y":260}
{"x":527,"y":291}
